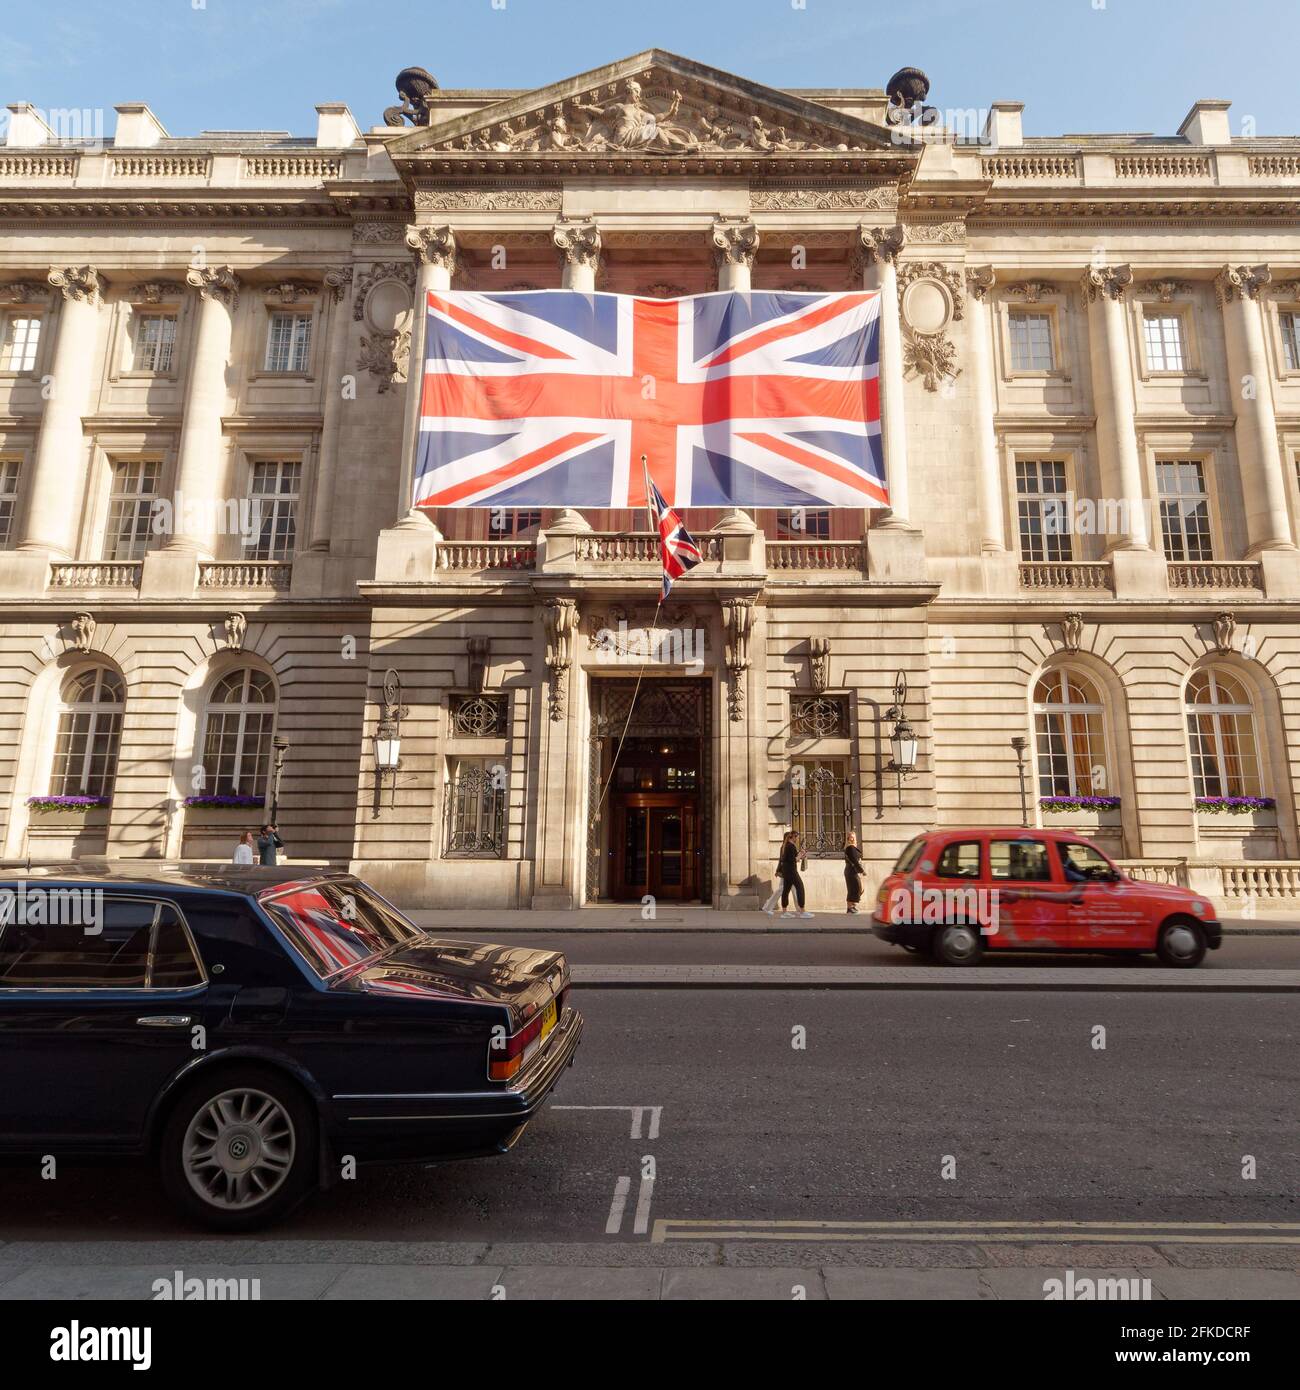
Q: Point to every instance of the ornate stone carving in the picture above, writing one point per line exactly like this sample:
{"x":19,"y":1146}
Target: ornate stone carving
{"x":980,"y":279}
{"x":235,"y":626}
{"x":80,"y":282}
{"x":819,"y":662}
{"x":931,"y":356}
{"x":24,"y":292}
{"x":1225,"y":631}
{"x":577,"y":241}
{"x":1108,"y":281}
{"x":737,"y":622}
{"x":880,"y":243}
{"x":338,"y":280}
{"x":379,"y":233}
{"x":215,"y":282}
{"x":662,"y":289}
{"x":1072,"y":631}
{"x":1031,"y":291}
{"x":381,"y":270}
{"x":489,"y":200}
{"x":944,"y":233}
{"x":907,"y":91}
{"x":1165,"y":290}
{"x":153,"y":292}
{"x":291,"y":291}
{"x":416,"y":87}
{"x":735,"y":241}
{"x":386,"y":355}
{"x":880,"y":199}
{"x":479,"y":649}
{"x":560,"y":616}
{"x":433,"y":245}
{"x":1244,"y":280}
{"x":83,"y":632}
{"x":933,"y":270}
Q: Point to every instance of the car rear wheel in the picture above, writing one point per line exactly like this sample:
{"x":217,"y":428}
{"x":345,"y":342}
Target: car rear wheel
{"x":239,"y":1149}
{"x":1181,"y":944}
{"x":958,"y":943}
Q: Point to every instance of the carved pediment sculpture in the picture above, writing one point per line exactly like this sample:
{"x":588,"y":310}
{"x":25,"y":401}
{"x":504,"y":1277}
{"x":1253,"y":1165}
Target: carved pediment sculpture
{"x":235,"y":626}
{"x":819,"y":662}
{"x":415,"y":86}
{"x":386,"y":355}
{"x":560,"y":617}
{"x":1072,"y":631}
{"x":83,"y":632}
{"x":737,"y":622}
{"x":1225,"y":630}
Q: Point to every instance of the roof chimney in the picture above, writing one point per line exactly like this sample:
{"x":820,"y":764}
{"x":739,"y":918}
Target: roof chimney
{"x":137,"y":127}
{"x":335,"y":127}
{"x":1207,"y":123}
{"x":27,"y":127}
{"x":1003,"y":124}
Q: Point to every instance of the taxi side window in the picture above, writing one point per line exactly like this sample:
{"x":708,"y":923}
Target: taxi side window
{"x":1022,"y":860}
{"x":961,"y":859}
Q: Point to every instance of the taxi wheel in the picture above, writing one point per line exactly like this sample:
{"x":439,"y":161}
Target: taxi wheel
{"x":1181,"y":944}
{"x":958,"y":944}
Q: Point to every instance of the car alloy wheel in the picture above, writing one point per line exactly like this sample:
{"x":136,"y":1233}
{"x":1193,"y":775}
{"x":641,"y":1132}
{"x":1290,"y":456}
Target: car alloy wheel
{"x":1181,"y":945}
{"x":958,"y":944}
{"x":238,"y":1149}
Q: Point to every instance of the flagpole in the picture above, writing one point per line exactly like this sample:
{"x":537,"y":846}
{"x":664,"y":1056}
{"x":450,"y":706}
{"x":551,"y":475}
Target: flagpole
{"x":650,"y":512}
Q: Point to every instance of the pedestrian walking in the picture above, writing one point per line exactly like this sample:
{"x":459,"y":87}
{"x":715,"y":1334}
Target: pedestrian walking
{"x":770,"y":905}
{"x":854,"y":873}
{"x":267,"y":843}
{"x":792,"y":860}
{"x":244,"y":849}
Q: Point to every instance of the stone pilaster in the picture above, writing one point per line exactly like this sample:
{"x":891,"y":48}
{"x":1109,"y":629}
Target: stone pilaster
{"x":578,"y":242}
{"x":993,"y":536}
{"x":879,"y":247}
{"x":735,"y":244}
{"x":561,"y":767}
{"x":338,"y":283}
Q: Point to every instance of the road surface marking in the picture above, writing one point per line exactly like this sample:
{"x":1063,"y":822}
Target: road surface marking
{"x":615,"y":1223}
{"x":638,"y":1111}
{"x":642,"y":1223}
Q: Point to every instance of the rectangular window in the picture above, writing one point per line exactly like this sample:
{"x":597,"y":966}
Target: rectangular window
{"x":961,"y":859}
{"x":1023,"y":860}
{"x":130,"y":510}
{"x":273,"y":492}
{"x":1042,"y":510}
{"x":1163,"y":335}
{"x":155,"y":343}
{"x":288,"y":343}
{"x":1290,"y":322}
{"x":803,"y":524}
{"x":505,"y":522}
{"x":22,"y":335}
{"x":1184,"y":510}
{"x":9,"y":471}
{"x":821,"y":810}
{"x":476,"y":809}
{"x":1031,"y":342}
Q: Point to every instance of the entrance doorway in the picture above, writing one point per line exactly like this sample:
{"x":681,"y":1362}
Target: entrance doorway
{"x":651,"y":837}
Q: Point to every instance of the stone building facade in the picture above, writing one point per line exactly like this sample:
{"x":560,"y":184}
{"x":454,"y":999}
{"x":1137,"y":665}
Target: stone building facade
{"x":1090,"y":374}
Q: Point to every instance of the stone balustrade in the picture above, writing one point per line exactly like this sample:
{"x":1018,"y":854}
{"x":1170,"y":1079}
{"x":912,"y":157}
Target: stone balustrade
{"x":1155,"y":166}
{"x":1090,"y":575}
{"x":1267,"y":881}
{"x":1043,"y":168}
{"x":475,"y":556}
{"x":22,"y":167}
{"x":1274,"y":166}
{"x":1170,"y":871}
{"x":103,"y":574}
{"x":160,"y":166}
{"x":293,"y":166}
{"x":1216,"y":575}
{"x":835,"y":556}
{"x":245,"y":574}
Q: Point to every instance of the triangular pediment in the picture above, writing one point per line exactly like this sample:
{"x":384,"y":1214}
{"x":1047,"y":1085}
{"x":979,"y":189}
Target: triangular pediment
{"x":654,"y":106}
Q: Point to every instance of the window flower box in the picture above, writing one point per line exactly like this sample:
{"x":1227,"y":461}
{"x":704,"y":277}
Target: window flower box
{"x":1089,"y":815}
{"x":225,"y":803}
{"x":1233,"y":805}
{"x":74,"y":805}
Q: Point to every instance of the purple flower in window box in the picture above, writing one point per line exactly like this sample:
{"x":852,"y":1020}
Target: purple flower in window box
{"x":1234,"y":805}
{"x":237,"y":802}
{"x":1079,"y":803}
{"x":67,"y":803}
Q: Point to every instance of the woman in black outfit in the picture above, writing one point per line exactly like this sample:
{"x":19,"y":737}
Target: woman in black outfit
{"x":792,"y":860}
{"x":853,"y":871}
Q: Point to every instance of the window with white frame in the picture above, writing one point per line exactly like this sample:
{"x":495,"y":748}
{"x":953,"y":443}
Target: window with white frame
{"x":505,"y":522}
{"x":1042,"y":510}
{"x":1289,"y":322}
{"x":89,"y":732}
{"x":1184,"y":509}
{"x":273,"y":491}
{"x":153,"y":342}
{"x":10,"y":471}
{"x":803,"y":523}
{"x":1221,"y":735}
{"x":19,"y":340}
{"x":239,"y":722}
{"x":1032,"y":349}
{"x":288,"y":342}
{"x":1163,"y":335}
{"x":476,"y":808}
{"x":1070,"y":733}
{"x":129,"y":532}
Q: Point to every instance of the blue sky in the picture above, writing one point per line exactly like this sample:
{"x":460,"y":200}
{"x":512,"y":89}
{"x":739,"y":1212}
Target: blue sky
{"x":1079,"y":65}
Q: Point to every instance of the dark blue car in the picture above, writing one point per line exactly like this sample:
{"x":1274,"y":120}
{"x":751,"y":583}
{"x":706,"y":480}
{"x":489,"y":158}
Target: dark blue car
{"x":250,"y":1032}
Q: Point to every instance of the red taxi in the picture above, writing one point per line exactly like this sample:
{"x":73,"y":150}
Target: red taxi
{"x":958,"y":893}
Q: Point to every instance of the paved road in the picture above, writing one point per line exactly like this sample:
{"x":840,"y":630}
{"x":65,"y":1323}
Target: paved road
{"x":901,"y":1108}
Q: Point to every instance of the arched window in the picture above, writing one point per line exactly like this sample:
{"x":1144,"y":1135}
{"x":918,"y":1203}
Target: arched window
{"x":237,"y":734}
{"x":1221,"y":735}
{"x":90,"y":729}
{"x":1069,"y":724}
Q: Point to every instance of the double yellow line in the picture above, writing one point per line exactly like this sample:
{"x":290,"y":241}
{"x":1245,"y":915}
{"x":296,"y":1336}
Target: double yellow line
{"x":1074,"y":1232}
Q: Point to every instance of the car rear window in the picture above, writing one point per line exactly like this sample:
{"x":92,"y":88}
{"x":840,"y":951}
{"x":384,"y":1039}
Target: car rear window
{"x":335,"y":925}
{"x":907,"y":860}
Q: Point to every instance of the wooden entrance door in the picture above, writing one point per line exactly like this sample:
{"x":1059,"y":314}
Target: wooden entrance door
{"x":657,"y":847}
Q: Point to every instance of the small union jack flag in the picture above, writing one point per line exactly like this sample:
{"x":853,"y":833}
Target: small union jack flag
{"x":677,"y":547}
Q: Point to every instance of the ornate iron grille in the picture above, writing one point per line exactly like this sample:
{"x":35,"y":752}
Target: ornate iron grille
{"x":476,"y":811}
{"x":478,"y":716}
{"x":821,"y":807}
{"x":819,"y":716}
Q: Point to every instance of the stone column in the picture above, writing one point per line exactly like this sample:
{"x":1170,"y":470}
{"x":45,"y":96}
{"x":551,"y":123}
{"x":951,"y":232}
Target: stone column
{"x":993,"y":534}
{"x":1104,"y":288}
{"x":578,"y":242}
{"x":54,"y":494}
{"x":1263,"y":481}
{"x":560,"y":859}
{"x":880,"y":247}
{"x":339,"y":282}
{"x":735,"y":244}
{"x":200,"y":467}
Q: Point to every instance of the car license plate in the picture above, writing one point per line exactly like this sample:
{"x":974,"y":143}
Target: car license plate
{"x":549,"y":1015}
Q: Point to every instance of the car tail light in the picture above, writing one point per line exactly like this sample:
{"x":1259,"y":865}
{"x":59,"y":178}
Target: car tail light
{"x":504,"y":1061}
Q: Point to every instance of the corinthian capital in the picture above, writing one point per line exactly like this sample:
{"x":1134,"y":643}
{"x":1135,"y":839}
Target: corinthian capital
{"x":433,"y":246}
{"x":1243,"y":280}
{"x":880,"y":243}
{"x":578,"y":242}
{"x":735,"y":241}
{"x":217,"y":282}
{"x":80,"y":282}
{"x":1106,"y":281}
{"x":979,"y":280}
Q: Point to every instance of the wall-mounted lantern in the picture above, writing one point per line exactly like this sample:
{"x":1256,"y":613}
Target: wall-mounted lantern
{"x":1019,"y":742}
{"x":388,"y":738}
{"x":903,"y":742}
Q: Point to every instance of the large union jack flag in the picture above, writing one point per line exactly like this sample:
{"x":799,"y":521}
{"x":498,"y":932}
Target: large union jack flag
{"x":549,"y":398}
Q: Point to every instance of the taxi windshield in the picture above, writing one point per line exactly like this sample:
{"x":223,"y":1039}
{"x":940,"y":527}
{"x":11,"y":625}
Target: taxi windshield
{"x":335,"y":925}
